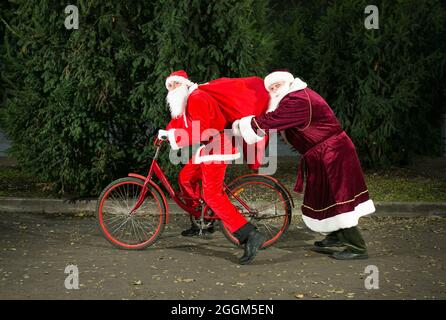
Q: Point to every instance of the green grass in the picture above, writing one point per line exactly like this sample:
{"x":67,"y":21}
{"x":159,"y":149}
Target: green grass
{"x":393,"y":184}
{"x":401,"y":185}
{"x":16,"y":183}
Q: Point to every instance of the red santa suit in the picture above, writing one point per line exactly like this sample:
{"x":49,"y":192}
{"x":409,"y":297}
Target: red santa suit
{"x":336,"y":195}
{"x":203,"y":122}
{"x":198,"y":118}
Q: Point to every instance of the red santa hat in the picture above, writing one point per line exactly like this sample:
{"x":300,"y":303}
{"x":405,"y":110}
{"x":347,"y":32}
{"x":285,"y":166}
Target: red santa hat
{"x":179,"y":76}
{"x":278,"y":76}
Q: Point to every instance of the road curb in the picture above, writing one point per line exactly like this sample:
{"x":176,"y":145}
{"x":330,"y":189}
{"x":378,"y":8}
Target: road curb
{"x":66,"y":206}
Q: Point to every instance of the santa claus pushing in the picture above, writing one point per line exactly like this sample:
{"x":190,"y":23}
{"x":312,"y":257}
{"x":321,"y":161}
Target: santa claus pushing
{"x":336,"y":195}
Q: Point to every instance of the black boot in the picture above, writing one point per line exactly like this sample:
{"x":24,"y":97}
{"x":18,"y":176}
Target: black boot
{"x":195,"y":231}
{"x":355,"y":245}
{"x":192,"y":231}
{"x":252,"y":239}
{"x":331,"y":240}
{"x":255,"y":241}
{"x":349,"y":255}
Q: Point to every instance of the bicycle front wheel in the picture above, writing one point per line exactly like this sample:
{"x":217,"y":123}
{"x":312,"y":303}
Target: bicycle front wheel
{"x":264,"y":203}
{"x":123,"y":229}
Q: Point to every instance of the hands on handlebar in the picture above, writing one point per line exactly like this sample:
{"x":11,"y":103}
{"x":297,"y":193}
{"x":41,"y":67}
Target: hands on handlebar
{"x":162,"y":135}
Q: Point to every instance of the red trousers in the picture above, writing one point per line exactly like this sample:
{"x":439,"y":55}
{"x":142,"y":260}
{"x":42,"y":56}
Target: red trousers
{"x":212,"y":176}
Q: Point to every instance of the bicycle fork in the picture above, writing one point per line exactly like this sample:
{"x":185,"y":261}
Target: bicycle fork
{"x":144,"y":190}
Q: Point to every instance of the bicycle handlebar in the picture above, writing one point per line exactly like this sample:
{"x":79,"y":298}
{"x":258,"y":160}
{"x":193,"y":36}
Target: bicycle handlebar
{"x":157,"y":142}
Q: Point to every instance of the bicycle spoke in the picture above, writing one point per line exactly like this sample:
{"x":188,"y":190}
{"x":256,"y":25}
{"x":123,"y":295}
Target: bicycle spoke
{"x":124,"y":200}
{"x":135,"y":230}
{"x":113,"y":224}
{"x":124,"y":229}
{"x":122,"y":224}
{"x":145,"y":224}
{"x":114,"y":217}
{"x":138,"y":231}
{"x":272,"y":204}
{"x":144,"y":233}
{"x":268,"y":228}
{"x":119,"y":196}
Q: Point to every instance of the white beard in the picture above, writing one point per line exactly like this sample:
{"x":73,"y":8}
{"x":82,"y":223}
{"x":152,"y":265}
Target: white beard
{"x":276,"y":97}
{"x":177,"y":100}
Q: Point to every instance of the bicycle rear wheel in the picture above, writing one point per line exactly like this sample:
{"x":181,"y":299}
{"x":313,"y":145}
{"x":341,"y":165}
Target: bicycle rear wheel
{"x":269,"y":206}
{"x":130,"y":231}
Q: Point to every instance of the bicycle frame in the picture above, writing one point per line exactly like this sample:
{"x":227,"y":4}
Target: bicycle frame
{"x":155,"y":170}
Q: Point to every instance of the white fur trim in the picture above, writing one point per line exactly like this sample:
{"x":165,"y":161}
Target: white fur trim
{"x":236,"y":128}
{"x":274,"y":101}
{"x":340,"y":221}
{"x":297,"y":85}
{"x":179,"y":79}
{"x":172,"y":140}
{"x":214,"y":157}
{"x":193,"y":87}
{"x":247,"y":132}
{"x":278,"y":76}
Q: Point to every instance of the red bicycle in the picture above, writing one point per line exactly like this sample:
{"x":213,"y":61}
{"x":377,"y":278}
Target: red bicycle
{"x":133,"y":211}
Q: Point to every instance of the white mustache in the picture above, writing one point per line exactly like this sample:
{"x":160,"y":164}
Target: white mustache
{"x":177,"y":100}
{"x":277,"y":97}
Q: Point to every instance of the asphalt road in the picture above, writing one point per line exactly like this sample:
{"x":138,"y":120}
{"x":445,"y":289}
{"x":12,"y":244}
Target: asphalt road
{"x":35,"y":249}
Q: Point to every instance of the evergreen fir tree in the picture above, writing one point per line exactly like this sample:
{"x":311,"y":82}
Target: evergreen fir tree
{"x":385,"y":85}
{"x":81,"y":100}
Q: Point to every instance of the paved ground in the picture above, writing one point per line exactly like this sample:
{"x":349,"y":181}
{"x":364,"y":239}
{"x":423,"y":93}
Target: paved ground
{"x":35,"y":249}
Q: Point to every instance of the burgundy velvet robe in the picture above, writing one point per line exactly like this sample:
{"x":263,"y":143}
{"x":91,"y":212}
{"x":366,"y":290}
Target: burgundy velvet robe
{"x":336,"y":194}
